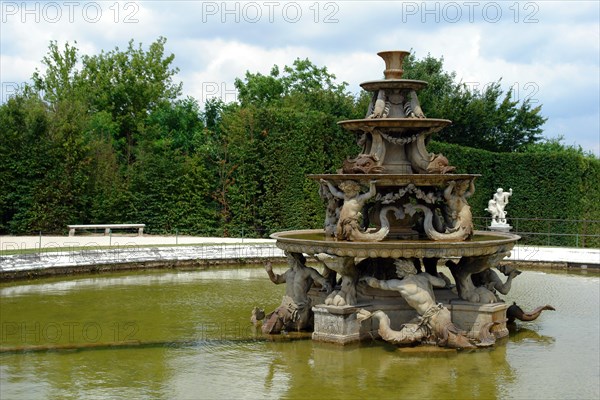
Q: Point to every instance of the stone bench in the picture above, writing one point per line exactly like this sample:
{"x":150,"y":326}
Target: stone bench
{"x":107,"y":228}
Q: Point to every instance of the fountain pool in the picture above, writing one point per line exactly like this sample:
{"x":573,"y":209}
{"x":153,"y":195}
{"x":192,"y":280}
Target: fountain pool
{"x":189,"y":337}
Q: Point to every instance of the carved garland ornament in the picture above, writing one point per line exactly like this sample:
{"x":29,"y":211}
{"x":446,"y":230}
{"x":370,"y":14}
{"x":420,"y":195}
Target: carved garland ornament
{"x":399,"y":141}
{"x":427,"y":197}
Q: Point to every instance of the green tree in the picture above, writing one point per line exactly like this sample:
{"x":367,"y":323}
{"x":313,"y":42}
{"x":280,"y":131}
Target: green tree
{"x":54,"y":161}
{"x":60,"y":81}
{"x":45,"y":168}
{"x":171,"y":177}
{"x":284,"y":128}
{"x":81,"y":124}
{"x":130,"y":84}
{"x":23,"y":122}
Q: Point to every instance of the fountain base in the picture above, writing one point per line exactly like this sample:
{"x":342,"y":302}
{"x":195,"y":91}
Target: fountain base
{"x":339,"y":324}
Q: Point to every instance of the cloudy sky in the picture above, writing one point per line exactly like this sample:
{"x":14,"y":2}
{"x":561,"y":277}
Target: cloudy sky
{"x":547,"y":51}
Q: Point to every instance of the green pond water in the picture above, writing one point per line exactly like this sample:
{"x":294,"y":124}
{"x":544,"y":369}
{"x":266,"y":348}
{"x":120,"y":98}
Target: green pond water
{"x":197,"y":343}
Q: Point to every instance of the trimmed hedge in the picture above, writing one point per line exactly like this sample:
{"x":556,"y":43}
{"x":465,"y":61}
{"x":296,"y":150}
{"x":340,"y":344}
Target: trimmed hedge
{"x":560,"y":186}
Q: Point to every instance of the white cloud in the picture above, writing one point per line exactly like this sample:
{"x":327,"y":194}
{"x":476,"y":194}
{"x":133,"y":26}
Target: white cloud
{"x":223,"y":61}
{"x":555,"y":58}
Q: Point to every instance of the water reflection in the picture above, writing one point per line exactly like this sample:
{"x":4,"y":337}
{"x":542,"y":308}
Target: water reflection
{"x":520,"y":334}
{"x":204,"y":346}
{"x":382,"y":371}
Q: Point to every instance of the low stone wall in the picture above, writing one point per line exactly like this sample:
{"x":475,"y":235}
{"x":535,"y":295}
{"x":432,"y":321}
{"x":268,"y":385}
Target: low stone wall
{"x":560,"y":265}
{"x":48,"y":263}
{"x":23,"y":266}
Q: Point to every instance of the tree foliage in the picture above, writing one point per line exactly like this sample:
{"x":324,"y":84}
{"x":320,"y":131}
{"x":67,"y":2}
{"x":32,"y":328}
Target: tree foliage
{"x":284,"y":128}
{"x":487,"y":119}
{"x":72,"y":139}
{"x":556,"y":145}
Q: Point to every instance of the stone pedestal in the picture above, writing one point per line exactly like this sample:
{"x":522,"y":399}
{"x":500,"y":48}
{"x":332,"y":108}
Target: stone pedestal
{"x":471,"y":317}
{"x":337,"y":324}
{"x":498,"y":227}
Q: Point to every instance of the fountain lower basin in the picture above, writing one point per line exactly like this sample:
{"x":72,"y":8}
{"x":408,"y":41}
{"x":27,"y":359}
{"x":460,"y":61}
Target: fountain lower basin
{"x":314,"y":241}
{"x":341,"y":323}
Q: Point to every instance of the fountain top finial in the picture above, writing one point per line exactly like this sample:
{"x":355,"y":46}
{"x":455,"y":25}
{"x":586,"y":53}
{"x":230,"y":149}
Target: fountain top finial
{"x":393,"y":63}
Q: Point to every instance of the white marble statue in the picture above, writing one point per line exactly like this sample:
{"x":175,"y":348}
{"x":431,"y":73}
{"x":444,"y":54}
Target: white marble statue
{"x":492,"y":208}
{"x":496,"y":208}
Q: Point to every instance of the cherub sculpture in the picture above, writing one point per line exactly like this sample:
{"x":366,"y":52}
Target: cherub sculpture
{"x":348,"y":226}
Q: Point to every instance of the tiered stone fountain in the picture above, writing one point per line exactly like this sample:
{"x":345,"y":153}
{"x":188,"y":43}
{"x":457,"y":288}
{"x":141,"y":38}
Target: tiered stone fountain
{"x":386,"y":241}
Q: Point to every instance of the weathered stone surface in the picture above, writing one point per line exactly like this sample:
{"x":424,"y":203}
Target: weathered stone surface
{"x":11,"y":264}
{"x":472,"y":317}
{"x":337,"y":324}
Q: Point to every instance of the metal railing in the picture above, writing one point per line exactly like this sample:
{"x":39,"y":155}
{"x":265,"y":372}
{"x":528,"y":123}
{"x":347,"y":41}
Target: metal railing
{"x":533,"y":231}
{"x":550,"y":231}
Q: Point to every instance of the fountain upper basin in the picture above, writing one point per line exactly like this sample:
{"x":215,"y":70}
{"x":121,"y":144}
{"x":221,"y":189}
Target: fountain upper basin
{"x":372,"y":86}
{"x":395,"y":124}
